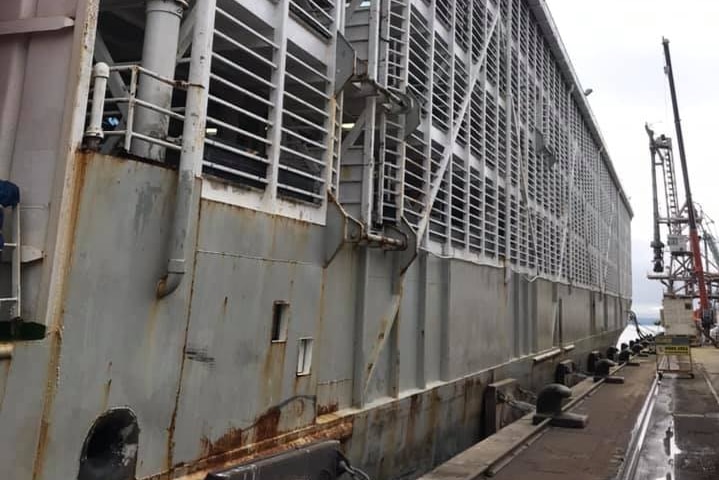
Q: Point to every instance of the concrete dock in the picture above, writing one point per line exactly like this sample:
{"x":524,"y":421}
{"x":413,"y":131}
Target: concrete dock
{"x":682,"y":439}
{"x":644,"y":429}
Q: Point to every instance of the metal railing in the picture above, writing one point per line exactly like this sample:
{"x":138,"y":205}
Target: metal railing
{"x":99,"y":112}
{"x":317,"y":14}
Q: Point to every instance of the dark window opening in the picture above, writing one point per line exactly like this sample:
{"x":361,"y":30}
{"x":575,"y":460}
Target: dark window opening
{"x":280,"y":314}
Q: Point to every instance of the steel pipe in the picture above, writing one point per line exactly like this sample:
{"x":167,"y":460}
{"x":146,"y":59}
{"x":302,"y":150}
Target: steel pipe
{"x":193,"y":143}
{"x":94,"y":133}
{"x":159,"y":55}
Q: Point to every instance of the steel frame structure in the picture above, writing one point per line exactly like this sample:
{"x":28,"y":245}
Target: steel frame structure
{"x":677,"y":275}
{"x":506,"y":168}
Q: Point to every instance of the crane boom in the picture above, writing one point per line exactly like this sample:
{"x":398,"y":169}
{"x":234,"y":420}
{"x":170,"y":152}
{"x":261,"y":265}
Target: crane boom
{"x":707,"y":313}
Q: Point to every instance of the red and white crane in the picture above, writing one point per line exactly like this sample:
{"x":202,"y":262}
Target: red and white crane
{"x":692,"y":273}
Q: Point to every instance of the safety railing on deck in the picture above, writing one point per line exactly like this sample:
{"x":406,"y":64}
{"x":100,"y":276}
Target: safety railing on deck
{"x":121,"y":119}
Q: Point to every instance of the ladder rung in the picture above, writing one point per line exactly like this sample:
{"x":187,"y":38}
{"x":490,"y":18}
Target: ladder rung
{"x":8,"y":299}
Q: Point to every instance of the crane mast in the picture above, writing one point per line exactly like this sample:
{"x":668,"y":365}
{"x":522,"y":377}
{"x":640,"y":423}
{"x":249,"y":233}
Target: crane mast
{"x":690,"y":273}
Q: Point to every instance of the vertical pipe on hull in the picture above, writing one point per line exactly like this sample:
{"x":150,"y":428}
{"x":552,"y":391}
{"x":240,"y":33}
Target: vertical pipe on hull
{"x":193,"y":142}
{"x":159,"y":51}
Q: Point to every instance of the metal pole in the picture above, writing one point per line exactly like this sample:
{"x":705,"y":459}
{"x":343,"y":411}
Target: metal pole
{"x":94,"y":133}
{"x":159,"y":54}
{"x":657,"y":245}
{"x":693,"y":233}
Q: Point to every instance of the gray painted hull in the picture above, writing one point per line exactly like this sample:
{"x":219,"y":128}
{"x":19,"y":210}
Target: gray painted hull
{"x":209,"y":387}
{"x":403,"y":342}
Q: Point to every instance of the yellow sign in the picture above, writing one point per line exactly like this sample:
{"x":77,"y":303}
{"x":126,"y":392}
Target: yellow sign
{"x":672,"y":349}
{"x":674,"y":354}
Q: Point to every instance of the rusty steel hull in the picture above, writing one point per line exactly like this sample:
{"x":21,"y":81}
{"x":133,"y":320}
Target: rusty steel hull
{"x":311,"y":307}
{"x":208,"y":386}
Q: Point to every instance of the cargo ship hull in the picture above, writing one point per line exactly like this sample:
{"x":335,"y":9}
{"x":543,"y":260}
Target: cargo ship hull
{"x":297,"y":310}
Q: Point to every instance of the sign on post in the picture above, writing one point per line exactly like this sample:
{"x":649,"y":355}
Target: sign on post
{"x":674,"y":354}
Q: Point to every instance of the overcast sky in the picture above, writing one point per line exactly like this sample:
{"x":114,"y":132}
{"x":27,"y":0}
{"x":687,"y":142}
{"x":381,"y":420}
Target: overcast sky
{"x":615,"y":47}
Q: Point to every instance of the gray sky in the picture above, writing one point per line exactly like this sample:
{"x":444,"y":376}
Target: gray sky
{"x":615,"y":47}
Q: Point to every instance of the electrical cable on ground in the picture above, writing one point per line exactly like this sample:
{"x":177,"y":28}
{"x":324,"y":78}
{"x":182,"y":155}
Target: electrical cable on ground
{"x":355,"y":473}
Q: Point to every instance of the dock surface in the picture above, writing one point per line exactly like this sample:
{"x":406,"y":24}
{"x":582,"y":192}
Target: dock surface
{"x":644,"y":429}
{"x":597,"y":451}
{"x":682,"y":440}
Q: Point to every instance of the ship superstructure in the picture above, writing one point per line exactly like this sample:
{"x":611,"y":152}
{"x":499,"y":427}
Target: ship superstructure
{"x":253,"y":224}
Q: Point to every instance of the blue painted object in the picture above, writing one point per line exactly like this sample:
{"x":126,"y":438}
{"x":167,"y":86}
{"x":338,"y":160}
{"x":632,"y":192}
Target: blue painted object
{"x":9,"y":197}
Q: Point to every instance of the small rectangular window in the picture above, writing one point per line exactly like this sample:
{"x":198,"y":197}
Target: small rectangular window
{"x":304,"y":358}
{"x":280,"y":314}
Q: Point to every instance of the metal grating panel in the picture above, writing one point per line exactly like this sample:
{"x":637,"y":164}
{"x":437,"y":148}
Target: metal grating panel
{"x":270,"y":110}
{"x":520,"y":177}
{"x":242,"y":83}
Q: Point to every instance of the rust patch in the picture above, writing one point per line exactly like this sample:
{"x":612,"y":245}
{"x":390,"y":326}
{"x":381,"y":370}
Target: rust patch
{"x":74,"y":181}
{"x":106,"y":395}
{"x":230,"y":440}
{"x":3,"y":385}
{"x":327,"y":409}
{"x":267,"y":425}
{"x":173,"y":418}
{"x":340,"y":429}
{"x":415,"y":410}
{"x":273,"y":372}
{"x":466,"y":400}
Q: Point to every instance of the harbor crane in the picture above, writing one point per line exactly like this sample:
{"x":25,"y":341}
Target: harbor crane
{"x":692,"y":273}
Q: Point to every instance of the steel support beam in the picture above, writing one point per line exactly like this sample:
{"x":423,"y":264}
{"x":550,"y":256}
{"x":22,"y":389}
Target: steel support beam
{"x":353,"y":134}
{"x":447,"y":155}
{"x":35,"y":25}
{"x":117,"y":86}
{"x":609,"y":245}
{"x":186,"y":30}
{"x":277,"y":99}
{"x":524,"y":190}
{"x":567,"y":215}
{"x":351,"y":8}
{"x":386,"y":324}
{"x":509,"y":122}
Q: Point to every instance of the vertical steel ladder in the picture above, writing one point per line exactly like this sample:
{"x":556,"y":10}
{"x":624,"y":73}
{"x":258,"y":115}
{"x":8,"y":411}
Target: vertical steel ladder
{"x":15,"y":245}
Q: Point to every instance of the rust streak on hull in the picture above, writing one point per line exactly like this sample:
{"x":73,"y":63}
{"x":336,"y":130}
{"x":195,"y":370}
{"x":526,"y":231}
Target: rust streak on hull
{"x":339,"y":429}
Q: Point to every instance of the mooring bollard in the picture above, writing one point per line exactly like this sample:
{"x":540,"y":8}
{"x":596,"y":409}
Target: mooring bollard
{"x":592,"y":360}
{"x":549,"y":406}
{"x":612,"y":353}
{"x":602,"y":372}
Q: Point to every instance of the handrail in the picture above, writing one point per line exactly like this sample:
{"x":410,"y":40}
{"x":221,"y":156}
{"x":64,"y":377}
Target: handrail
{"x":95,"y":133}
{"x":191,"y":144}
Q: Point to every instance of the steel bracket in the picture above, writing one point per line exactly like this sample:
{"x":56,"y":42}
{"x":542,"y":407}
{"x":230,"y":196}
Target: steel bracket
{"x":35,"y":25}
{"x":351,"y":72}
{"x":342,"y":228}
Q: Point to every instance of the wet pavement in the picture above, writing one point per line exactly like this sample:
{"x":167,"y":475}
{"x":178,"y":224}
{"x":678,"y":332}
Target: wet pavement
{"x":682,"y":440}
{"x":597,"y":451}
{"x":643,"y":429}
